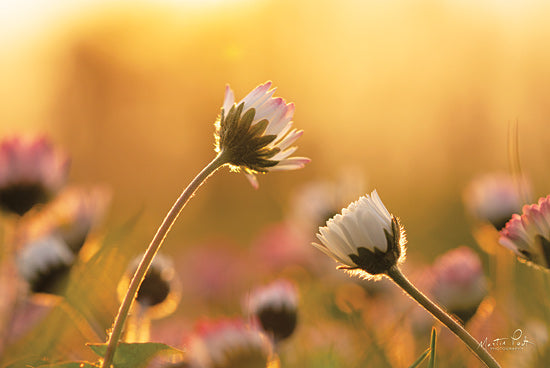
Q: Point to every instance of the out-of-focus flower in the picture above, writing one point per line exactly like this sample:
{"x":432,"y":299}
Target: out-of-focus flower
{"x":159,"y":293}
{"x":213,"y":271}
{"x":275,"y":308}
{"x":459,"y":282}
{"x":528,"y":235}
{"x":31,"y":172}
{"x":316,"y":202}
{"x":494,"y":198}
{"x":366,"y":239}
{"x":72,"y":215}
{"x":45,"y":263}
{"x":229,"y":343}
{"x":255,"y":134}
{"x":279,"y":246}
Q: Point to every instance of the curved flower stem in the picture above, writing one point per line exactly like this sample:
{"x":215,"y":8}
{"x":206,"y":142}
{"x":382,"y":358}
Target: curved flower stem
{"x":150,"y":253}
{"x":398,"y":278}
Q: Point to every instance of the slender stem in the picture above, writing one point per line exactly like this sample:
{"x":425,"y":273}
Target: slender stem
{"x":150,"y":253}
{"x":398,"y":278}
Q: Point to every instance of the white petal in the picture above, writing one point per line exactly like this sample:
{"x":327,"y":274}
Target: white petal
{"x":336,"y":244}
{"x":228,"y":100}
{"x":345,"y":261}
{"x":291,"y":163}
{"x":284,"y":154}
{"x":279,"y":126}
{"x":258,"y":96}
{"x":289,"y":139}
{"x":269,"y":108}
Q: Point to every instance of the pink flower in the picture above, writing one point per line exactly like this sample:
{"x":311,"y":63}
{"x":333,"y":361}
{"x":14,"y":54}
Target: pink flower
{"x":213,"y":270}
{"x":280,"y":245}
{"x":228,"y":343}
{"x":494,"y":198}
{"x":31,"y":172}
{"x":459,"y":282}
{"x":528,"y":235}
{"x":275,"y":308}
{"x":256,"y":133}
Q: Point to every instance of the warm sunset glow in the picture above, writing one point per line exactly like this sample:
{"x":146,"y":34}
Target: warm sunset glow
{"x":415,"y":99}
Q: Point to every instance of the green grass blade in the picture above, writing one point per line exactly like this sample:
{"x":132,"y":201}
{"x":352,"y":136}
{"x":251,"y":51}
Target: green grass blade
{"x":420,"y":359}
{"x":433,"y":339}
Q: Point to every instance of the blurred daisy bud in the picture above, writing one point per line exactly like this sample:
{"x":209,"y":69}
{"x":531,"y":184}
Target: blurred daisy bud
{"x":31,"y":172}
{"x":73,"y":215}
{"x":45,"y":264}
{"x":275,"y":308}
{"x":494,"y":198}
{"x":366,"y":239}
{"x":255,"y":134}
{"x":459,"y":283}
{"x":528,"y":235}
{"x":229,"y":343}
{"x":159,"y":292}
{"x":317,"y":201}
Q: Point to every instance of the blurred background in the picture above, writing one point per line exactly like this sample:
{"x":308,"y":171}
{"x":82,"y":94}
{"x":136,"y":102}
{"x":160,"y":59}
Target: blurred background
{"x":413,"y":98}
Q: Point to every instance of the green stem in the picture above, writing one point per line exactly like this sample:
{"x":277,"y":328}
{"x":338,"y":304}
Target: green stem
{"x":150,"y":253}
{"x":400,"y":280}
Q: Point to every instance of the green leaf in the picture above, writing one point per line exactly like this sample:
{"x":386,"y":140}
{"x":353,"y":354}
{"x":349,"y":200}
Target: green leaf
{"x":433,"y":338}
{"x":420,"y":359}
{"x":137,"y":355}
{"x":69,"y":365}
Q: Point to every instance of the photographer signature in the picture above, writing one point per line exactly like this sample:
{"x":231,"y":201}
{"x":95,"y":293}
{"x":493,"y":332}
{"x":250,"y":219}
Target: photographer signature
{"x":518,"y":341}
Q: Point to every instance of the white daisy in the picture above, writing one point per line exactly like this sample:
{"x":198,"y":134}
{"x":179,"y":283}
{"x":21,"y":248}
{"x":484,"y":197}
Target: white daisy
{"x":256,"y":133}
{"x":365,"y":237}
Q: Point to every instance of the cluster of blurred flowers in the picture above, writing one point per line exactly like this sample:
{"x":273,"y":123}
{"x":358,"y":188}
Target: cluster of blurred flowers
{"x":46,"y":227}
{"x":52,"y":221}
{"x":456,"y":280}
{"x":53,"y":228}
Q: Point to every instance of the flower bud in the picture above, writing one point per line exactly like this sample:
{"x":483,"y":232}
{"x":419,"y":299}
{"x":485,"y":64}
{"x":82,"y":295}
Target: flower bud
{"x":493,"y":198}
{"x":275,"y":308}
{"x":159,"y":292}
{"x":528,"y":235}
{"x":31,"y":172}
{"x":366,"y":239}
{"x":459,"y":283}
{"x":45,"y":264}
{"x":228,"y":344}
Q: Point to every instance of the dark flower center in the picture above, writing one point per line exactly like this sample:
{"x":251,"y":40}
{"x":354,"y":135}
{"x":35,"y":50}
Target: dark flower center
{"x":51,"y":281}
{"x":20,"y":198}
{"x":154,"y":289}
{"x":280,"y":322}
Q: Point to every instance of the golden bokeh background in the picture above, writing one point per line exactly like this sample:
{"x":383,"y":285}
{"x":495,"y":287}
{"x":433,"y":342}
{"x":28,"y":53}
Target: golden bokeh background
{"x":417,"y":96}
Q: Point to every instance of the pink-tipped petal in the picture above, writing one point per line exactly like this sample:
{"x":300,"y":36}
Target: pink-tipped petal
{"x":229,"y":99}
{"x":258,"y":96}
{"x":290,"y":139}
{"x":292,"y":163}
{"x":253,"y":180}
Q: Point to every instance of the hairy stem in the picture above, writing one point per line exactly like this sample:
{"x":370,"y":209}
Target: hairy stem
{"x":150,"y":253}
{"x":400,"y":280}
